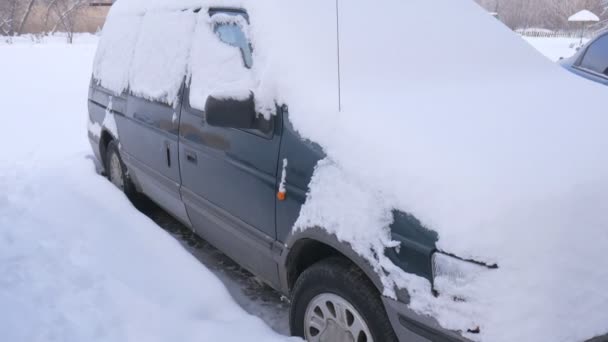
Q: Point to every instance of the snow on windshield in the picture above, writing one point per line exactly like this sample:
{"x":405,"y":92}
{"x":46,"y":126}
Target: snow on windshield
{"x":438,"y":110}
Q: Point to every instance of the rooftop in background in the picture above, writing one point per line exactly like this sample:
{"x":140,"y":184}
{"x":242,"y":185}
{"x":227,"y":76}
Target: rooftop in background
{"x":584,"y":16}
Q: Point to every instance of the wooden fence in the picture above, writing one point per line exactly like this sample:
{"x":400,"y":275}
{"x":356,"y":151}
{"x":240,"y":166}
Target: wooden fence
{"x":554,"y":34}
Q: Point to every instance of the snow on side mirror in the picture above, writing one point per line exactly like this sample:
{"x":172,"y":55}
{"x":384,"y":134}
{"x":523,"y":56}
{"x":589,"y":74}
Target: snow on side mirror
{"x":231,"y":112}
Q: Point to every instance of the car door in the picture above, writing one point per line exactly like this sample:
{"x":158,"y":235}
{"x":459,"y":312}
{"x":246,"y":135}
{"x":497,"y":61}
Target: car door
{"x":229,"y":176}
{"x":149,"y":142}
{"x":594,"y":63}
{"x":149,"y":131}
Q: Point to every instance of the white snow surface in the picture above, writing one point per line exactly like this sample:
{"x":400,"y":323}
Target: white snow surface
{"x":161,"y":55}
{"x":58,"y":38}
{"x":77,"y":261}
{"x":282,"y":185}
{"x":216,"y":68}
{"x":556,"y":48}
{"x":584,"y":16}
{"x":480,"y":137}
{"x":115,"y":52}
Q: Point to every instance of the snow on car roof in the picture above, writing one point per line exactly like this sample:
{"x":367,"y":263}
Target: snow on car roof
{"x":142,"y":6}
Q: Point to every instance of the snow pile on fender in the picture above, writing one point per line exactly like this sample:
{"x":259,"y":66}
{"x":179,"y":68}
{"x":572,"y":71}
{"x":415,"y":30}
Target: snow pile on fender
{"x":464,"y":126}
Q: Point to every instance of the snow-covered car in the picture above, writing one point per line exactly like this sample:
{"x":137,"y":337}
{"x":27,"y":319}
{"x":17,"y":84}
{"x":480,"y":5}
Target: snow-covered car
{"x":591,"y":61}
{"x":390,"y":194}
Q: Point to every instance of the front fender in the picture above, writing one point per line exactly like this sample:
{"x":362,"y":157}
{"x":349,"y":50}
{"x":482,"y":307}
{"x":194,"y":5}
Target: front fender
{"x":301,"y":238}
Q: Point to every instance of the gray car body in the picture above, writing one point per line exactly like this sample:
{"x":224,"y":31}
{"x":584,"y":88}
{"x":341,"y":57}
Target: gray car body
{"x":222,"y":183}
{"x":573,"y":63}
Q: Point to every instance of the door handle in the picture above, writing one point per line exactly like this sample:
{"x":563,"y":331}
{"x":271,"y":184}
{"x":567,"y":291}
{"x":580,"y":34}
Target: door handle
{"x":168,"y":150}
{"x":191,"y":157}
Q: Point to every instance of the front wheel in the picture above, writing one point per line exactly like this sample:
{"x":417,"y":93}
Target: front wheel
{"x":333,"y":301}
{"x":117,"y":171}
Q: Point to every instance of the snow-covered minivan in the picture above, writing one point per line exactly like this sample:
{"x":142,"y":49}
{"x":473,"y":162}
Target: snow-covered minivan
{"x":397,"y":180}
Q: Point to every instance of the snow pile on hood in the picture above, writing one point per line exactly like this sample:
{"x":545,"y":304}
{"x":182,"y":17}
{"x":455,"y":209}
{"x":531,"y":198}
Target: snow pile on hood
{"x":487,"y":143}
{"x":77,"y":261}
{"x":464,"y":126}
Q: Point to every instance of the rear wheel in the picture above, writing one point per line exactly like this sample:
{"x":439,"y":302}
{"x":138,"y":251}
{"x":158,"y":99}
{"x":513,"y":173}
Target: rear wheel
{"x":117,"y":171}
{"x":333,"y":301}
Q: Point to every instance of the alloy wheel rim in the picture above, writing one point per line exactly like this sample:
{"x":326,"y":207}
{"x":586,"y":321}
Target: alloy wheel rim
{"x":331,"y":318}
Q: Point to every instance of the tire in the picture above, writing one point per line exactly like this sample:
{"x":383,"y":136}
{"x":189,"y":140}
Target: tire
{"x":116,"y":171}
{"x":336,"y":279}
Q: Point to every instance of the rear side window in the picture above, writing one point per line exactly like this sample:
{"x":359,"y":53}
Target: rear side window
{"x":232,"y":34}
{"x":596,"y":57}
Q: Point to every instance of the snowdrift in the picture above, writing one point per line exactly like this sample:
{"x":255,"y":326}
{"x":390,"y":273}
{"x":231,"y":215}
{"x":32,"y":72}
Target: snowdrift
{"x":77,"y":261}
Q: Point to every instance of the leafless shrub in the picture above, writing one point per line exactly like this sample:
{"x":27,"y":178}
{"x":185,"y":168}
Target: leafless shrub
{"x":66,"y":14}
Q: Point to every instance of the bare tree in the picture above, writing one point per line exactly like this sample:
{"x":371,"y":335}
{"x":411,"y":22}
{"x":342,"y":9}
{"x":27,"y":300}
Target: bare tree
{"x":8,"y":16}
{"x":66,"y":13}
{"x":26,"y":15}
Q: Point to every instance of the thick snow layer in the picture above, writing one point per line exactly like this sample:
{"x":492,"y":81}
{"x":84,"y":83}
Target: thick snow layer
{"x":466,"y":127}
{"x":584,"y":16}
{"x":161,"y":55}
{"x":151,"y":47}
{"x":77,"y":262}
{"x":115,"y":52}
{"x":556,"y":48}
{"x":479,"y":137}
{"x":217,"y":69}
{"x":142,"y":6}
{"x":484,"y":144}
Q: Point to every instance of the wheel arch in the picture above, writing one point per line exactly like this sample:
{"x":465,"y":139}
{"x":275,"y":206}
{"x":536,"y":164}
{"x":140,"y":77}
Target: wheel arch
{"x":312,"y":245}
{"x":104,"y":140}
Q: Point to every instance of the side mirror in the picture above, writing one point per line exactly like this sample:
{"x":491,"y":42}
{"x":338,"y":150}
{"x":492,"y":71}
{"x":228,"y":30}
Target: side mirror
{"x":231,"y":113}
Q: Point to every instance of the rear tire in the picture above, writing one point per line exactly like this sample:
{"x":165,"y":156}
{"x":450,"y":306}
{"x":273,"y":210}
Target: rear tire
{"x":336,"y":282}
{"x":116,"y":171}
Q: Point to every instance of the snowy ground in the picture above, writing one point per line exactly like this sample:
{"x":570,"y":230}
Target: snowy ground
{"x":555,"y":48}
{"x":250,"y":293}
{"x":55,"y":39}
{"x":77,"y":262}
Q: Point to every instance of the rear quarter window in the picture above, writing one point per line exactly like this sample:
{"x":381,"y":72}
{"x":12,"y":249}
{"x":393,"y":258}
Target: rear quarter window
{"x":115,"y":52}
{"x":161,"y":57}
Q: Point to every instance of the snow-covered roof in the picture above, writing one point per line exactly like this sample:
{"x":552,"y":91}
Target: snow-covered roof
{"x":584,"y":16}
